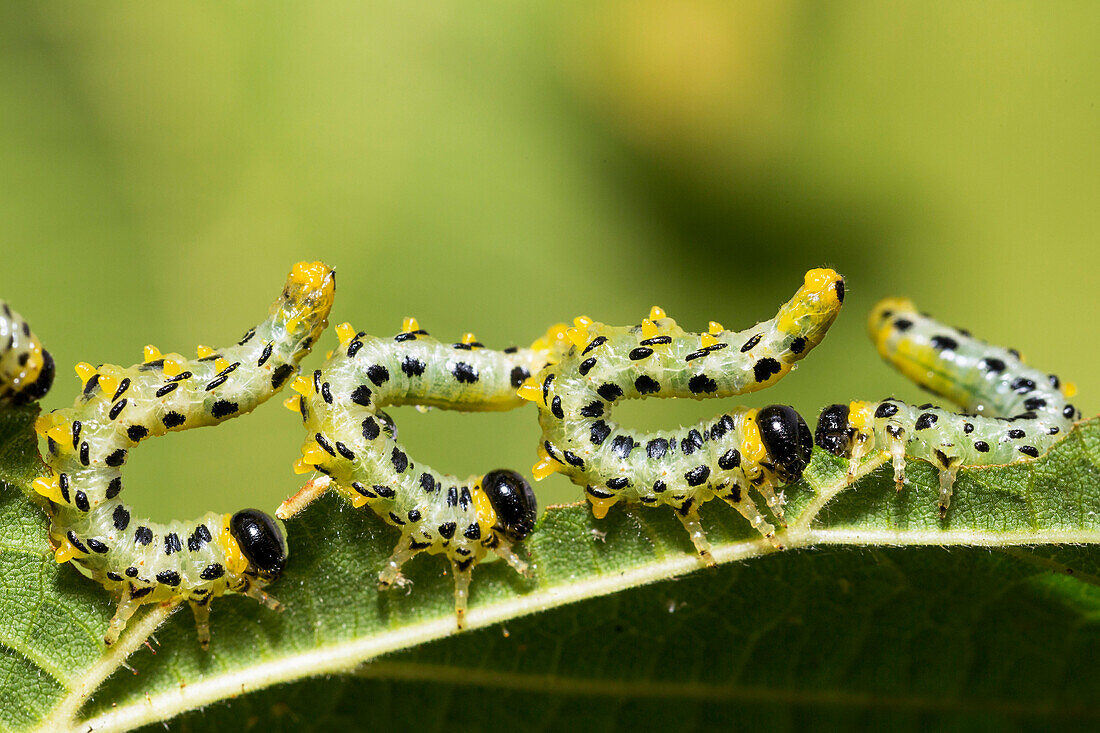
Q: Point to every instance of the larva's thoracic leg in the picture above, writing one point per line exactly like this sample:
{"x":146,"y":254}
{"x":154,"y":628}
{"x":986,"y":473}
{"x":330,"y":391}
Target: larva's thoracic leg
{"x":87,"y":446}
{"x":762,"y":449}
{"x":353,"y":442}
{"x":201,"y":610}
{"x":1012,"y":412}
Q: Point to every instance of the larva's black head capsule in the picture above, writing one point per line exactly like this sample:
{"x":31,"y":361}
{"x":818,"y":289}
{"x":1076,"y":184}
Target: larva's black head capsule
{"x":787,"y":439}
{"x":833,"y":431}
{"x":37,"y":389}
{"x":261,"y":541}
{"x":513,"y":501}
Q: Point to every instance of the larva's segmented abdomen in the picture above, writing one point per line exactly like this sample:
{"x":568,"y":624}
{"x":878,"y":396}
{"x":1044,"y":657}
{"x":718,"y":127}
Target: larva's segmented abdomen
{"x":1013,"y":412}
{"x":725,"y":456}
{"x":353,"y":442}
{"x":26,"y":369}
{"x":88,"y":445}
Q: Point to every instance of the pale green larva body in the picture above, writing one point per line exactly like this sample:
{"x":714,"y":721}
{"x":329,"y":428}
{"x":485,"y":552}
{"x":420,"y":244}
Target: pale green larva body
{"x":723,"y":457}
{"x":1013,"y":412}
{"x":353,"y":442}
{"x":141,"y":561}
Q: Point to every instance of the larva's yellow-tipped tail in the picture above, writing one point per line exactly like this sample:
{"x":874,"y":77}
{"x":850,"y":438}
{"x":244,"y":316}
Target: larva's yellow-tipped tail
{"x":307,"y":299}
{"x":813,"y":308}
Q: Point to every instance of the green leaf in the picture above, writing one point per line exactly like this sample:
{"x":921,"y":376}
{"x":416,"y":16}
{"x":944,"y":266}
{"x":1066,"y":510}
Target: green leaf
{"x":995,"y":618}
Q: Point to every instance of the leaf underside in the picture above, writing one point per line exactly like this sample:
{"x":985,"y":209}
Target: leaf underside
{"x":994,"y":616}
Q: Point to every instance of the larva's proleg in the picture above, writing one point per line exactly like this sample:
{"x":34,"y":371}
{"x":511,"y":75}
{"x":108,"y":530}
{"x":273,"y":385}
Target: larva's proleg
{"x":352,"y":441}
{"x":140,"y":561}
{"x":1012,"y":412}
{"x":26,"y":369}
{"x":726,"y":456}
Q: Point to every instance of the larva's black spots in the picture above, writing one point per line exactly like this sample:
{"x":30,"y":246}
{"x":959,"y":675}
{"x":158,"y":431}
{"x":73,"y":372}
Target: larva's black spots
{"x":119,"y":407}
{"x":609,"y":392}
{"x":730,"y":460}
{"x":169,"y":578}
{"x":368,"y":467}
{"x":281,"y":374}
{"x":224,"y":408}
{"x":213,"y":571}
{"x":926,"y":420}
{"x":702,"y":384}
{"x":592,"y":409}
{"x":378,"y":374}
{"x":326,"y":392}
{"x":116,"y":409}
{"x":519,"y":375}
{"x":1017,"y":403}
{"x":599,"y":432}
{"x":413,"y":367}
{"x":944,"y":343}
{"x":173,"y":419}
{"x":595,"y":343}
{"x":622,"y":445}
{"x":1023,"y":385}
{"x":765,"y":369}
{"x":995,"y":366}
{"x":198,"y":539}
{"x":172,"y":543}
{"x":723,"y":456}
{"x":464,"y":373}
{"x":122,"y":387}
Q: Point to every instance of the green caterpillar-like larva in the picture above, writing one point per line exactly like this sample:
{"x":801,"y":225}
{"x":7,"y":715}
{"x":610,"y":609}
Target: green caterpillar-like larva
{"x":1013,"y":412}
{"x":353,"y":442}
{"x":724,"y":456}
{"x":26,"y":369}
{"x":140,"y":561}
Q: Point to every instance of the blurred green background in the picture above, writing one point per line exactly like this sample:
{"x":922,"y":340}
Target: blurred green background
{"x":503,"y":166}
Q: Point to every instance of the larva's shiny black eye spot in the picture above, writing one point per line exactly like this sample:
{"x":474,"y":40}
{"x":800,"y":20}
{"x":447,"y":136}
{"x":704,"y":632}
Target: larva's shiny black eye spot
{"x":786,"y":438}
{"x":513,"y":501}
{"x":260,"y":539}
{"x":833,"y":432}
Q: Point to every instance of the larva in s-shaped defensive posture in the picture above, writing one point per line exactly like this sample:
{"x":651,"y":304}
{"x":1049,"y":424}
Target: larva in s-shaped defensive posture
{"x":140,"y":561}
{"x":353,"y":442}
{"x":724,"y":456}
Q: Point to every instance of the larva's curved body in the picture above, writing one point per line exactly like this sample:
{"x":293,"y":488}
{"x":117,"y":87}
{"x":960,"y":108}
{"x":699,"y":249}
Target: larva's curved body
{"x":1012,"y":411}
{"x":141,"y":561}
{"x":724,"y":456}
{"x":26,"y":369}
{"x":352,"y":441}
